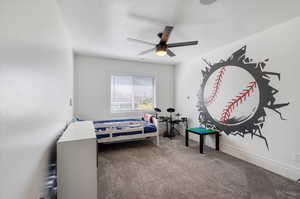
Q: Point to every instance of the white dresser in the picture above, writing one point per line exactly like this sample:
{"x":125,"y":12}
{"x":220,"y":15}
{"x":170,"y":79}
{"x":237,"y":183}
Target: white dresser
{"x":77,"y":162}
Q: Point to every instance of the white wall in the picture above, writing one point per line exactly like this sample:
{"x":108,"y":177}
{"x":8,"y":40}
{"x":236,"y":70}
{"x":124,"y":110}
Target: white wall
{"x":36,"y":82}
{"x":92,"y":84}
{"x":281,"y":44}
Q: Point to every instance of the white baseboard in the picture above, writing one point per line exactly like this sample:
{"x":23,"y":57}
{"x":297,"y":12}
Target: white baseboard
{"x":280,"y":168}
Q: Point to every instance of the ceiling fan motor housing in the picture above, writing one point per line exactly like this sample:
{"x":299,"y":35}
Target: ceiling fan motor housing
{"x":162,"y":46}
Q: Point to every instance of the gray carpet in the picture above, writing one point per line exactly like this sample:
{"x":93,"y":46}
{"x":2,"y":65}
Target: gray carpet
{"x":140,"y":170}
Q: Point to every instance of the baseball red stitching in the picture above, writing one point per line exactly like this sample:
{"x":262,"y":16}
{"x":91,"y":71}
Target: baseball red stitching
{"x":216,"y":87}
{"x":235,"y":102}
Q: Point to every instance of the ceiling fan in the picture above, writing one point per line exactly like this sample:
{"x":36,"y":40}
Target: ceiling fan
{"x":162,"y":48}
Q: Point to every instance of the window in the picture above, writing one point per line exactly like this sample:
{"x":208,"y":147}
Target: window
{"x":131,"y":93}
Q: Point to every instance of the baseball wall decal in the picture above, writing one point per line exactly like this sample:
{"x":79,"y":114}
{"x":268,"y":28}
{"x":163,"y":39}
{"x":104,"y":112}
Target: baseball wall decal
{"x":231,"y":95}
{"x":234,"y":94}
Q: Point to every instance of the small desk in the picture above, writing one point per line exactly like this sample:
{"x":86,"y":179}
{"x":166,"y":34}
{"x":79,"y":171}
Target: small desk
{"x":77,"y":162}
{"x":202,"y":132}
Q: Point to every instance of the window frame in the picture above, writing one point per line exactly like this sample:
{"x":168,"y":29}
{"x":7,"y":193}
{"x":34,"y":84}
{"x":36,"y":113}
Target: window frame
{"x":132,"y":112}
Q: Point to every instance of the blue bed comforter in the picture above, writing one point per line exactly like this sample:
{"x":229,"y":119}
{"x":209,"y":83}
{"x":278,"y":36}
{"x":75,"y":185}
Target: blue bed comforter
{"x":148,"y":128}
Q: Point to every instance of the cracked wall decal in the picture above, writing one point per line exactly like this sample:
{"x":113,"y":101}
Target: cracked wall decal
{"x":234,"y":95}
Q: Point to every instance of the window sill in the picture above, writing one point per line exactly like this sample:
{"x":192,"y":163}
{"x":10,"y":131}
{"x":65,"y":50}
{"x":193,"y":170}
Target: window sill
{"x":130,"y":113}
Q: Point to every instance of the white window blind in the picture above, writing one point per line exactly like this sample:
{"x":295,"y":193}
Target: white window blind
{"x":131,"y":93}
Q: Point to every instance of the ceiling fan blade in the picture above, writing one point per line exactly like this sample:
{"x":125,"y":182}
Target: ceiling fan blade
{"x":140,"y":41}
{"x":170,"y":53}
{"x":147,"y":51}
{"x":188,"y":43}
{"x":166,"y":33}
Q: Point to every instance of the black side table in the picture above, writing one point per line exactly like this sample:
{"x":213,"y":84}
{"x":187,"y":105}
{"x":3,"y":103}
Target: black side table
{"x":202,"y":132}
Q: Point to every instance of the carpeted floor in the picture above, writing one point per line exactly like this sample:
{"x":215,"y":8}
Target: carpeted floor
{"x":140,"y":170}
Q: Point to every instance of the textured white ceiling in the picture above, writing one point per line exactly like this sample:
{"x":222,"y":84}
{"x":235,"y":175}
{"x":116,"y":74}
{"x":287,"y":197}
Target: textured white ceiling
{"x":101,"y":27}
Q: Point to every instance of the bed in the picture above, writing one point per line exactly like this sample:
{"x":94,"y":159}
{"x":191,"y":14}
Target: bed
{"x":127,"y":129}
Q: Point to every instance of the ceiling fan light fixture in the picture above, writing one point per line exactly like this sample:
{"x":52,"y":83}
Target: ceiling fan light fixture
{"x":161,"y":51}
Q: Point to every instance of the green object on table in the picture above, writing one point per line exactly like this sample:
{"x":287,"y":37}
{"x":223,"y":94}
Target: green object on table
{"x":202,"y":130}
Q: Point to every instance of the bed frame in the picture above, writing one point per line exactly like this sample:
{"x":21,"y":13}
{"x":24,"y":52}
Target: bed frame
{"x":140,"y":127}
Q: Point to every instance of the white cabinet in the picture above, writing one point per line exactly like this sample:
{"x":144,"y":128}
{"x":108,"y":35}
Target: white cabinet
{"x":77,"y":162}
